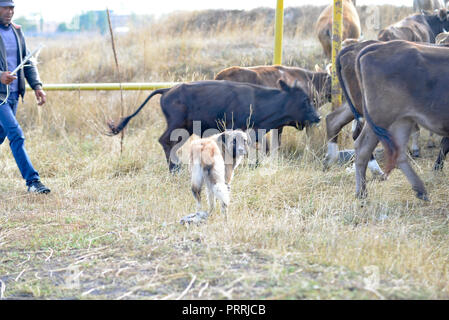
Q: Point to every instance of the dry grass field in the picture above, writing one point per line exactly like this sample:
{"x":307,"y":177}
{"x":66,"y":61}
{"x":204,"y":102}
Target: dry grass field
{"x":110,"y":228}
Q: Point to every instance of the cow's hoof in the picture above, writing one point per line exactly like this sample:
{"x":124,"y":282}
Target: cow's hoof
{"x":422,"y":196}
{"x":438,"y":166}
{"x":415,"y":153}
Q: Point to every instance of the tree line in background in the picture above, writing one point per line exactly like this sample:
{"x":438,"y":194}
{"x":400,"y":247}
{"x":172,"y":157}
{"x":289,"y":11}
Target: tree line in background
{"x":90,"y":21}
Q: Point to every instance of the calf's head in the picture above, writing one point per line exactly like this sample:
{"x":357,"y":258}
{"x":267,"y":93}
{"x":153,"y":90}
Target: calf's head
{"x":298,"y":106}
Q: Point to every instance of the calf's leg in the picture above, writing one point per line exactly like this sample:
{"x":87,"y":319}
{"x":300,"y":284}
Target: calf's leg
{"x":373,"y":166}
{"x":335,"y":121}
{"x":401,"y":133}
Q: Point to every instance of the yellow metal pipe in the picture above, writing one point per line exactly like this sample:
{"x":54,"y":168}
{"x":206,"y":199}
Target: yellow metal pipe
{"x":279,"y":31}
{"x":337,"y":35}
{"x":107,"y":86}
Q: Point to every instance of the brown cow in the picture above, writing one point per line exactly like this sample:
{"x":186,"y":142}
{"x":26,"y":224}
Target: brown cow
{"x":396,"y":96}
{"x":317,"y":84}
{"x":351,"y":25}
{"x":340,"y":117}
{"x":337,"y":119}
{"x":422,"y":27}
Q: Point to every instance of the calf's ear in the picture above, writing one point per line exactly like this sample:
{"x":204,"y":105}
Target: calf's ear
{"x":283,"y":85}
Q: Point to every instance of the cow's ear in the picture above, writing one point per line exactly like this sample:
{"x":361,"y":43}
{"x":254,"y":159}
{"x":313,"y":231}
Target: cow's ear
{"x":283,"y":85}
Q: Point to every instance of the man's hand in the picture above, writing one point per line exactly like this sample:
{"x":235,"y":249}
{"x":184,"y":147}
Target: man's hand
{"x":40,"y":96}
{"x":7,"y":78}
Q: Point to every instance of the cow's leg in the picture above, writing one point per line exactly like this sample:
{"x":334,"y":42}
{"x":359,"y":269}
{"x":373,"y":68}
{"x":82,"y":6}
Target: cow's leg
{"x":335,"y":121}
{"x":401,"y":134}
{"x":415,"y":145}
{"x":167,"y":144}
{"x":364,"y":147}
{"x":444,"y":150}
{"x":373,"y":166}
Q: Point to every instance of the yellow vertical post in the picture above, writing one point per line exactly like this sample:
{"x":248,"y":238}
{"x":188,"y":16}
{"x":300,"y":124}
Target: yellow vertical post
{"x":337,"y":35}
{"x":279,"y":31}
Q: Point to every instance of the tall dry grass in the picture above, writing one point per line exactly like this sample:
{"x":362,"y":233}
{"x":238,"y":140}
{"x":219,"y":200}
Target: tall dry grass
{"x":110,"y":228}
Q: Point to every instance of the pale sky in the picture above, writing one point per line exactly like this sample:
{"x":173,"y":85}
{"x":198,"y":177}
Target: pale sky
{"x":64,"y":10}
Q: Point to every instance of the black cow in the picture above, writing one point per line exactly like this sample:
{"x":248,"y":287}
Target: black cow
{"x":227,"y":104}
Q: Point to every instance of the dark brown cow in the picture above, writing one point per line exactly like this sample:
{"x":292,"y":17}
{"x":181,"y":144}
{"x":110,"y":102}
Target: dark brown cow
{"x":315,"y":83}
{"x":351,"y":25}
{"x":395,"y":97}
{"x":417,"y":28}
{"x":216,"y":105}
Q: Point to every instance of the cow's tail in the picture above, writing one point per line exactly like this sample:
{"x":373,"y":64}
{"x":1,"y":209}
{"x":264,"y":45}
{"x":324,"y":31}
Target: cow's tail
{"x":357,"y":115}
{"x":384,"y":136}
{"x":116,"y":129}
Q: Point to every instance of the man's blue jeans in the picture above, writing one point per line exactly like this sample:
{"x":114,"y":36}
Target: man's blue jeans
{"x":9,"y":127}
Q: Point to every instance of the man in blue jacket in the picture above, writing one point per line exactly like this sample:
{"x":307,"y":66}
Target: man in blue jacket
{"x":12,"y":51}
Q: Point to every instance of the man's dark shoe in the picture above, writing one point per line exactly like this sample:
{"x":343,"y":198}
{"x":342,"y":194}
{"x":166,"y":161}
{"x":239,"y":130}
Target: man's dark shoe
{"x":38,"y":187}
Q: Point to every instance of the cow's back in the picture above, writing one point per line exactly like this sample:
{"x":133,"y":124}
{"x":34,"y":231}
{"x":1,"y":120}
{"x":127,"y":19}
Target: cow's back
{"x":239,"y":74}
{"x":351,"y":25}
{"x":268,"y":76}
